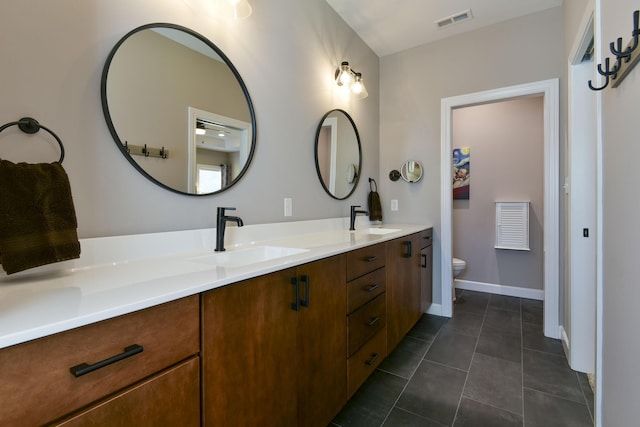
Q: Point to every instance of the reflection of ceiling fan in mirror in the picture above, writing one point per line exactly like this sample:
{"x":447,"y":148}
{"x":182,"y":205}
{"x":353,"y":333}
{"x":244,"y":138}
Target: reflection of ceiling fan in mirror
{"x":211,"y":135}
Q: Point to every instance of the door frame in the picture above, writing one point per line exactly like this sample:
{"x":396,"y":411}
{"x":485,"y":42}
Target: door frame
{"x":549,"y":89}
{"x":590,"y":17}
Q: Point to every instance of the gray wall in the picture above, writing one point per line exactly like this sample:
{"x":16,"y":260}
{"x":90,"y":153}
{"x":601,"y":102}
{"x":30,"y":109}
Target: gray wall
{"x":413,"y":82}
{"x":286,"y":52}
{"x":507,"y":147}
{"x":621,"y":234}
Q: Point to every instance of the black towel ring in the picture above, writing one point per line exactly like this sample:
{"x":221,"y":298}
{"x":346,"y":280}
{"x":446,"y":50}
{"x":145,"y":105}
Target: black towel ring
{"x":31,"y":126}
{"x":371,"y":184}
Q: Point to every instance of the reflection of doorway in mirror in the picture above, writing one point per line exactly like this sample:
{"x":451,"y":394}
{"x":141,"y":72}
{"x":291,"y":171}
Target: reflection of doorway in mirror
{"x":216,"y":140}
{"x":328,"y":152}
{"x":209,"y":179}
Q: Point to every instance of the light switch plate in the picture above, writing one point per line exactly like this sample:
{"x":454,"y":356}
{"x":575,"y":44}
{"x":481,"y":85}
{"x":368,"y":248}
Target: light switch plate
{"x":394,"y":205}
{"x":288,"y":206}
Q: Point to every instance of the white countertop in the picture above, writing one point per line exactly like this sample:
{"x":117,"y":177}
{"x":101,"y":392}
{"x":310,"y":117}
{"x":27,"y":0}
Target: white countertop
{"x":122,"y":274}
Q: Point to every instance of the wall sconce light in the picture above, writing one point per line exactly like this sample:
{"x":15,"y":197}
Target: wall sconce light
{"x":351,"y":80}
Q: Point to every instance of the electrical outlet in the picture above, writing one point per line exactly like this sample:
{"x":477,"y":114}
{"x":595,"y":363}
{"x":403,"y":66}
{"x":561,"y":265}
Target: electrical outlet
{"x":288,"y":206}
{"x":394,"y":205}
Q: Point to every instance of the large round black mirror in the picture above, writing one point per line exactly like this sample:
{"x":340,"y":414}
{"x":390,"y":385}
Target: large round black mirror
{"x":338,"y":154}
{"x":178,"y":109}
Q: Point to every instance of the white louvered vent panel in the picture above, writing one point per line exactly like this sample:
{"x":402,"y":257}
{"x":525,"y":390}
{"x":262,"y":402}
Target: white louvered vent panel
{"x":512,"y":225}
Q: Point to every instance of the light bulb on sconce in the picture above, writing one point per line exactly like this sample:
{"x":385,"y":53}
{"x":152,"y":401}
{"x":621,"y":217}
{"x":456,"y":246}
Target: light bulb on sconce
{"x":241,"y":8}
{"x":343,"y":76}
{"x":349,"y":79}
{"x":358,"y":89}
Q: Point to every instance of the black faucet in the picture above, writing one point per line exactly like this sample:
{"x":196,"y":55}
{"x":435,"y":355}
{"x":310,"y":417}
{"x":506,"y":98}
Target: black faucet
{"x":221,"y":223}
{"x":355,"y":212}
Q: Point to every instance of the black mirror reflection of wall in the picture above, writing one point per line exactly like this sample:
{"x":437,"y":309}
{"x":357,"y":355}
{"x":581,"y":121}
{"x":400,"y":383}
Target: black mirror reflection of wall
{"x":178,"y":109}
{"x":338,"y":154}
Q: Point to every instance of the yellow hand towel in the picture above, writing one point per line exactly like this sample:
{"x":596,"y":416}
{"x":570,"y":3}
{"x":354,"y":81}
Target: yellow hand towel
{"x":38,"y":223}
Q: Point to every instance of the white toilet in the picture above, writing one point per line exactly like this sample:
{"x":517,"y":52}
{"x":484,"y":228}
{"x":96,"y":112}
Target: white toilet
{"x":458,"y":266}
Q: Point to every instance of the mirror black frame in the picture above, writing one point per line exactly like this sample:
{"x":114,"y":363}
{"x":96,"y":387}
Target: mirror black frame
{"x":114,"y":133}
{"x":359,"y":169}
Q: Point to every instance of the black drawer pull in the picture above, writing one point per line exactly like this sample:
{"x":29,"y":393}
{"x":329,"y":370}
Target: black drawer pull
{"x":85,"y":368}
{"x":370,"y":258}
{"x":373,"y":321}
{"x":296,"y":304}
{"x":424,"y":261}
{"x":373,"y":359}
{"x":372,"y":288}
{"x":305,"y":301}
{"x":407,"y":245}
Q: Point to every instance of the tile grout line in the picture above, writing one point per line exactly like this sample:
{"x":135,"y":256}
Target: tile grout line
{"x":555,"y":396}
{"x":471,"y":361}
{"x":411,"y":376}
{"x":584,"y":395}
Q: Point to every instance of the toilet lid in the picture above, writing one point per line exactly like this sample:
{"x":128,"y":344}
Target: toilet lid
{"x":459,"y":262}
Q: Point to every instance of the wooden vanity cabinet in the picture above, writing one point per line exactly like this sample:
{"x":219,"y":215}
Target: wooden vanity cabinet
{"x":273,"y":348}
{"x":37,"y":385}
{"x":426,"y":269}
{"x":366,"y":313}
{"x":404,"y":306}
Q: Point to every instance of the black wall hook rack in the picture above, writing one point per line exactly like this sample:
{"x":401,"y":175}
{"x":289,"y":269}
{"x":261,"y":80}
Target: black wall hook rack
{"x":144,"y":150}
{"x":625,"y":59}
{"x":30,"y":125}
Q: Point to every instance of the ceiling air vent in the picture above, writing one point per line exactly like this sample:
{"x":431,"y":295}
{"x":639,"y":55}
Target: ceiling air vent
{"x":455,"y":19}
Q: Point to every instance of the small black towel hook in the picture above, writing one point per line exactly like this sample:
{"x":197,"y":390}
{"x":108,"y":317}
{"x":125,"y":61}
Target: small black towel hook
{"x":373,"y":182}
{"x":30,"y":125}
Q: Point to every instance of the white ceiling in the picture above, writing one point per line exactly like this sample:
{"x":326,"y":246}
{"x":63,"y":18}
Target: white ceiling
{"x":390,"y":26}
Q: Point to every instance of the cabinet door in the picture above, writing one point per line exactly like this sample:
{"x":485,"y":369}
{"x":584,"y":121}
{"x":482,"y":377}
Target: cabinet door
{"x":248,"y":351}
{"x":322,"y":341}
{"x":403,"y":287}
{"x":171,"y":398}
{"x":426,"y":277}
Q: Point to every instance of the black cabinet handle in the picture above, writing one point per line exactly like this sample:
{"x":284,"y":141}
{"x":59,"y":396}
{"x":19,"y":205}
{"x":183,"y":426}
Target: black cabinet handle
{"x":373,"y":321}
{"x":373,"y":359}
{"x":372,"y":288}
{"x":407,"y":244}
{"x":371,"y":258}
{"x":305,"y":301}
{"x":424,"y":261}
{"x":84,"y":368}
{"x":296,"y":305}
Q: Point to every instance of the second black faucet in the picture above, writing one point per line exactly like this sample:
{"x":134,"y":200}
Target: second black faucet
{"x":221,"y":224}
{"x":355,"y":212}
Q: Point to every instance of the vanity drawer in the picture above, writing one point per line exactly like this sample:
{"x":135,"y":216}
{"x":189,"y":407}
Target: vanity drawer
{"x":364,"y":260}
{"x":36,"y":382}
{"x":365,"y":288}
{"x":366,"y":322}
{"x":171,"y":398}
{"x":366,"y":360}
{"x":426,"y":238}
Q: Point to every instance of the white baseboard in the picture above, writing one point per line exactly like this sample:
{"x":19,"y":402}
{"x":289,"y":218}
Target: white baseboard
{"x":491,"y":288}
{"x":435,"y":309}
{"x":565,"y":341}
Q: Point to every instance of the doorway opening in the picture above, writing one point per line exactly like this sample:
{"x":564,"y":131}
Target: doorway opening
{"x":549,"y":89}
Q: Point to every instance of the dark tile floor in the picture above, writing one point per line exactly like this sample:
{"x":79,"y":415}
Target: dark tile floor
{"x":489,"y":365}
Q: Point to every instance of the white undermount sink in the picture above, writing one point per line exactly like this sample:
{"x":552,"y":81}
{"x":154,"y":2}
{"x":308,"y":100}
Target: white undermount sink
{"x":243,"y":257}
{"x":376,"y":230}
